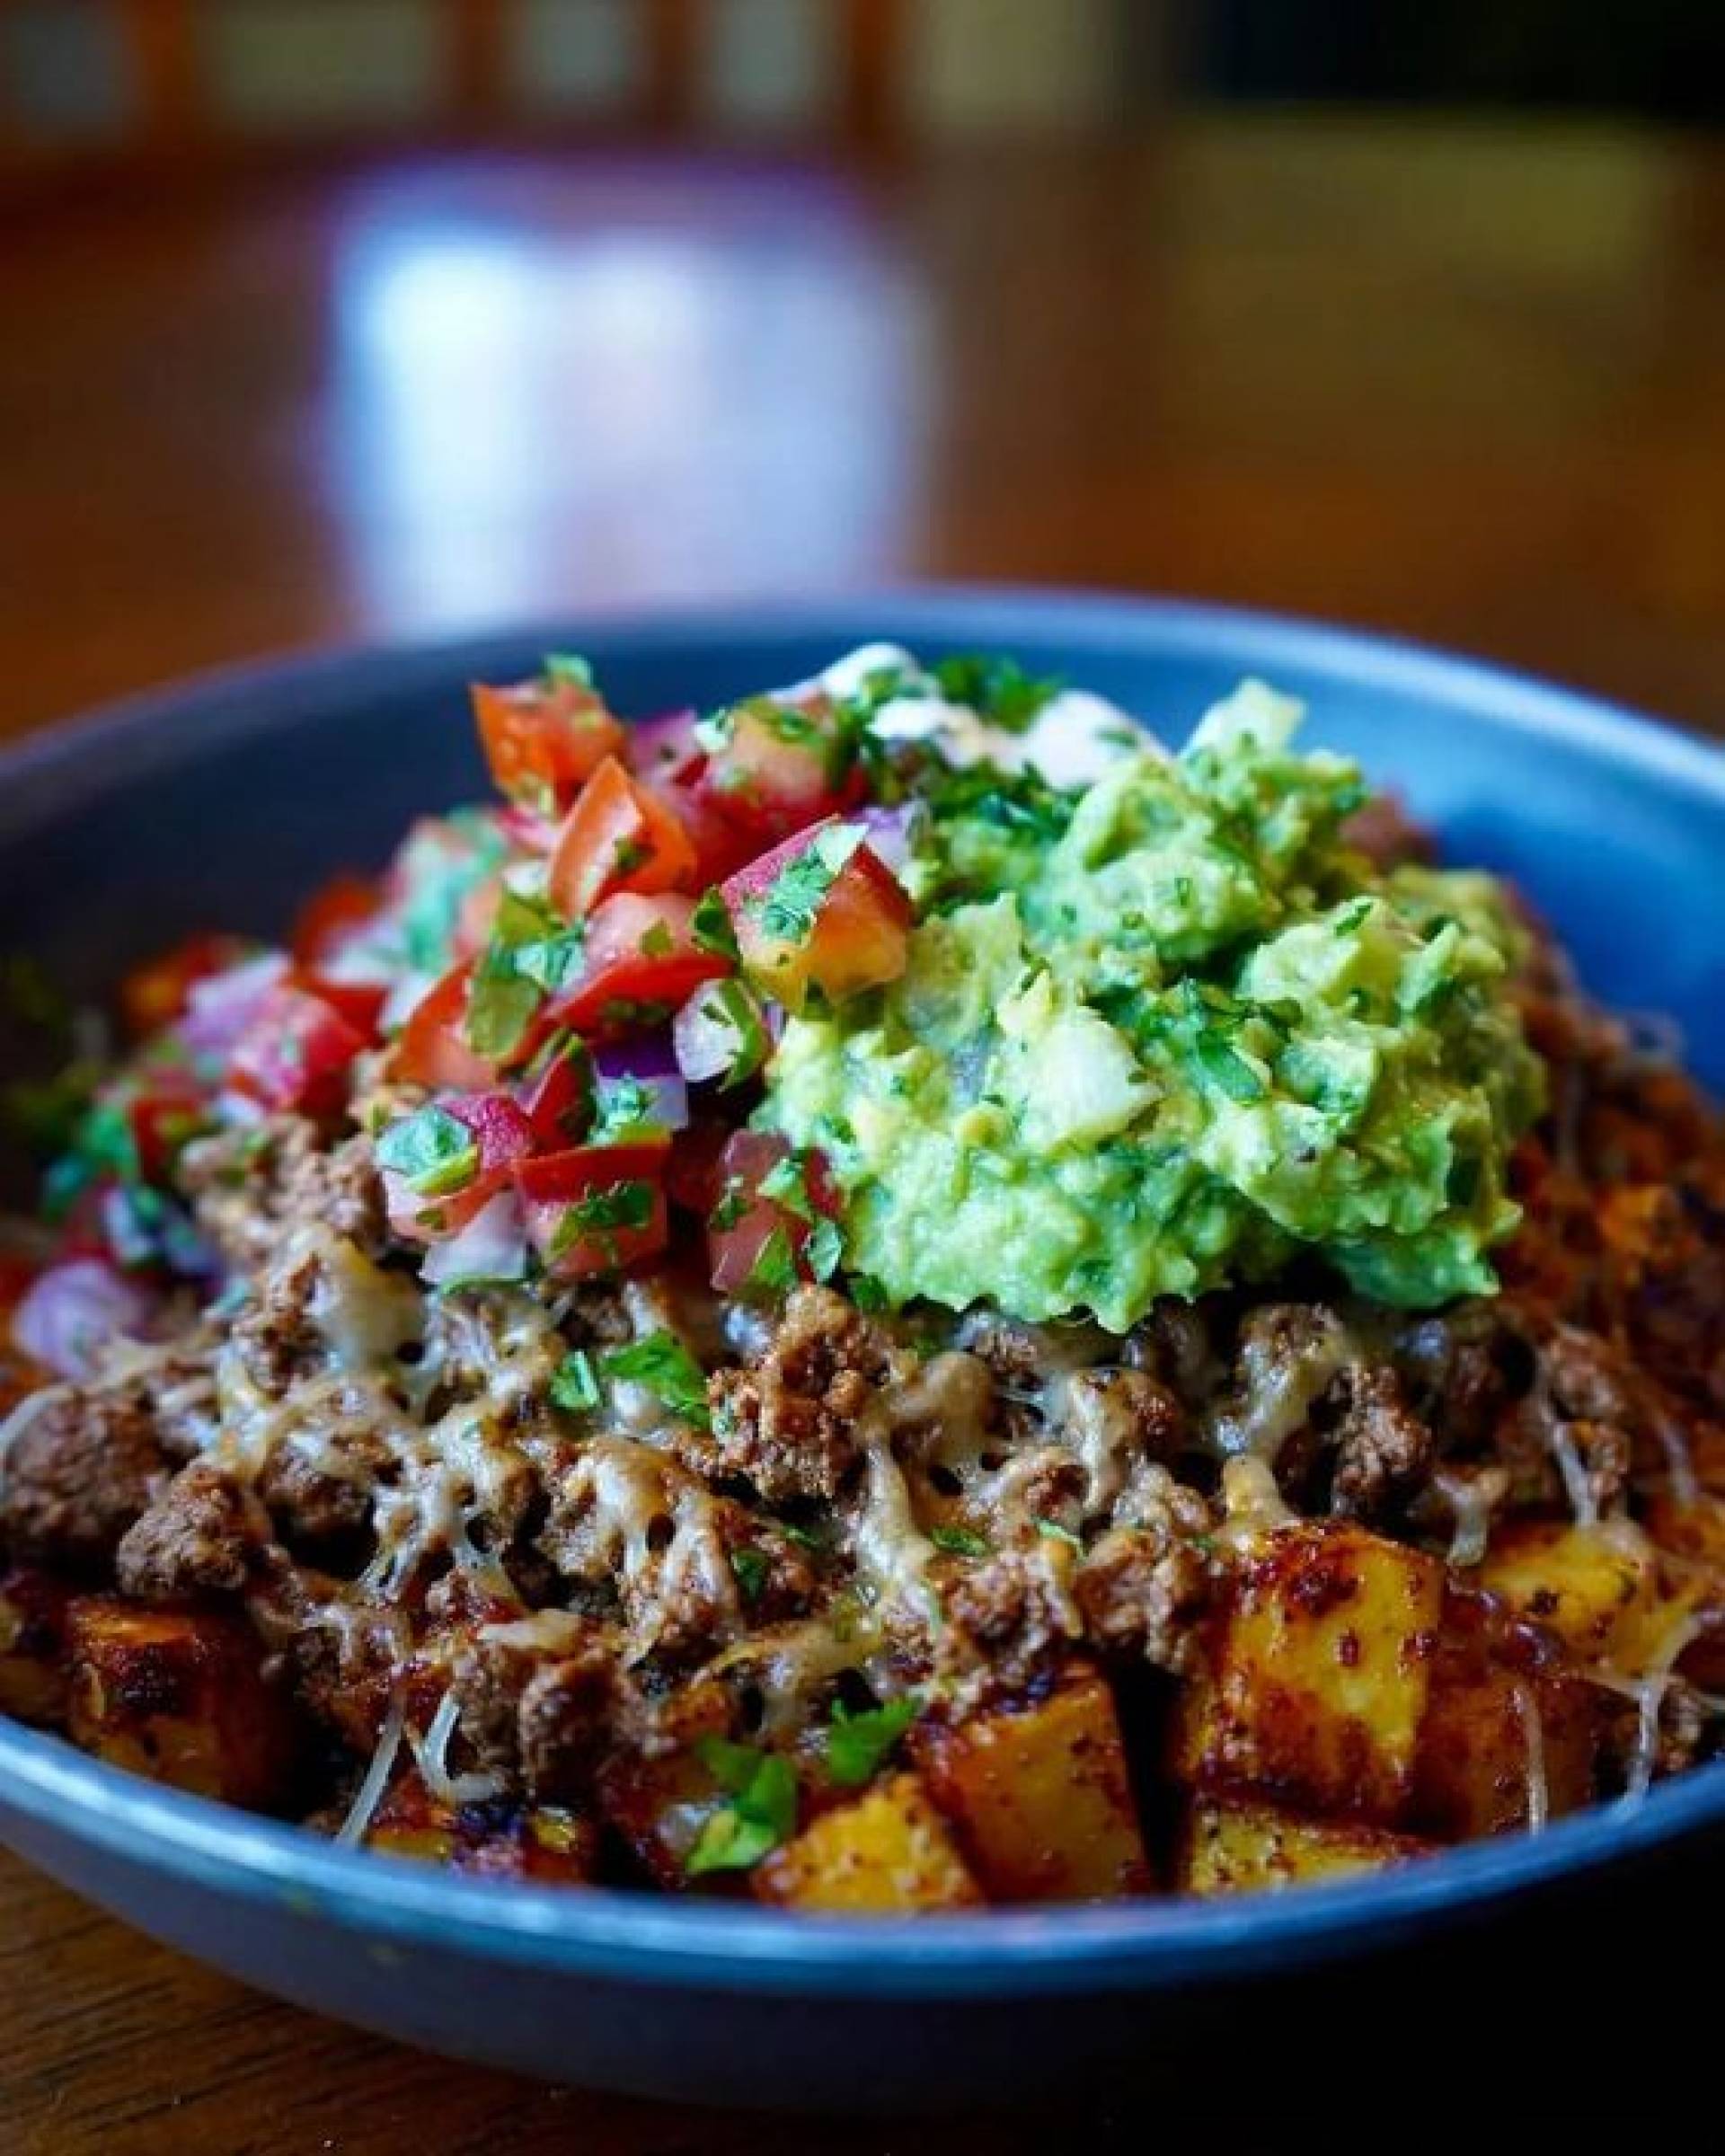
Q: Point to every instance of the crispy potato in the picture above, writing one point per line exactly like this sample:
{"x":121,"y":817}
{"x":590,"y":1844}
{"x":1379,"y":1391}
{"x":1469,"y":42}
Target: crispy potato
{"x":1039,"y":1795}
{"x":1318,"y":1677}
{"x":1231,"y":1846}
{"x":1597,"y":1588}
{"x":1500,"y":1750}
{"x":887,"y":1849}
{"x":179,"y":1695}
{"x":543,"y":1844}
{"x":32,"y":1646}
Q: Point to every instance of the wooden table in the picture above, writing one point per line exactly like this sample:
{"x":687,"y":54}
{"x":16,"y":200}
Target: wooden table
{"x":1468,"y":384}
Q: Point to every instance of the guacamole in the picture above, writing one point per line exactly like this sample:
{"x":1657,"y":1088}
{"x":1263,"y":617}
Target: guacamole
{"x":1165,"y":1033}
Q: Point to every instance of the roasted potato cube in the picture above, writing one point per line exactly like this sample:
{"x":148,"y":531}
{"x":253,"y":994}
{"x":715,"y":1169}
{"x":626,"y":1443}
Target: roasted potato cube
{"x":179,"y":1695}
{"x":1040,"y":1796}
{"x":1231,"y":1846}
{"x":888,"y":1849}
{"x":544,"y":1843}
{"x":32,"y":1646}
{"x":1597,"y":1588}
{"x":1499,"y":1750}
{"x":1318,"y":1677}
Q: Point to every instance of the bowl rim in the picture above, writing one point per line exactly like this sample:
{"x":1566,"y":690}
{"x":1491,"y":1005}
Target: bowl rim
{"x":619,"y":1934}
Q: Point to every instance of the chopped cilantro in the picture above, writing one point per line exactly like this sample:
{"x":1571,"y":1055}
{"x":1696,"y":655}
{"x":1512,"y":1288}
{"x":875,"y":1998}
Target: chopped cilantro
{"x":1056,"y":1533}
{"x":957,"y":1541}
{"x":628,"y":1205}
{"x":867,"y":1293}
{"x":859,"y":1745}
{"x":432,"y":1150}
{"x":774,"y":1269}
{"x":752,"y":1568}
{"x":575,"y":1384}
{"x":664,"y":1366}
{"x":709,"y":925}
{"x":791,"y":904}
{"x":997,"y":689}
{"x":1227,"y":1068}
{"x":760,"y":1811}
{"x":824,"y":1248}
{"x":568,"y":668}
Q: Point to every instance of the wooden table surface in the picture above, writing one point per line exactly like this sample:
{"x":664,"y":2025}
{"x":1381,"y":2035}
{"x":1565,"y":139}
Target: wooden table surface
{"x":1467,"y":383}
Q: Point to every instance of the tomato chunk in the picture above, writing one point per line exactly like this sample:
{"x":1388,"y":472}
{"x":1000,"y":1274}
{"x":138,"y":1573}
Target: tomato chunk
{"x":619,"y":837}
{"x":783,"y":765}
{"x":543,"y":738}
{"x":761,"y":1232}
{"x":154,"y":994}
{"x":594,"y":1208}
{"x":360,"y":1002}
{"x":168,"y":1109}
{"x":558,"y":1100}
{"x":331,"y":916}
{"x":432,"y":1049}
{"x":821,"y":912}
{"x":642,"y":960}
{"x":295,"y":1053}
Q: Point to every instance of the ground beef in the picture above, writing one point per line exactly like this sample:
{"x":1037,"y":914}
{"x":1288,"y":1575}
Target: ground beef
{"x":1384,"y":1451}
{"x":82,"y":1469}
{"x":312,"y":1506}
{"x":1006,"y":1622}
{"x":1144,"y":1593}
{"x":786,"y":1424}
{"x":537,"y":1711}
{"x":251,"y":1187}
{"x":201,"y":1536}
{"x":1463,"y":1370}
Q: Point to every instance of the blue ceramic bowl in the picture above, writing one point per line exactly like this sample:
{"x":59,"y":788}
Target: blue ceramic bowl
{"x":217,"y":804}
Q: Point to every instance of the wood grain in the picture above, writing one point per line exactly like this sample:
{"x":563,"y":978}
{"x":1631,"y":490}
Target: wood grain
{"x":1467,"y":385}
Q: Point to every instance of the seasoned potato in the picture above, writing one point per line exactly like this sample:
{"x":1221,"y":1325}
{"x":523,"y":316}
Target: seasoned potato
{"x":179,"y":1695}
{"x":1039,"y":1795}
{"x":32,"y":1646}
{"x":1499,"y":1750}
{"x":1231,"y":1846}
{"x":1318,"y":1680}
{"x":1597,"y":1588}
{"x":888,"y":1849}
{"x":544,"y":1843}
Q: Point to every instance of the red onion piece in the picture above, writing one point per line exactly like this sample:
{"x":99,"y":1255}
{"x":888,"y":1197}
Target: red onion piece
{"x":888,"y":832}
{"x":219,"y":1008}
{"x":74,"y":1309}
{"x":662,"y":747}
{"x":652,"y":1065}
{"x":493,"y":1246}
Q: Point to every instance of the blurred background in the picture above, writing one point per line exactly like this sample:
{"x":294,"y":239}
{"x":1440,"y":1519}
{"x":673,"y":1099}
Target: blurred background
{"x":329,"y":319}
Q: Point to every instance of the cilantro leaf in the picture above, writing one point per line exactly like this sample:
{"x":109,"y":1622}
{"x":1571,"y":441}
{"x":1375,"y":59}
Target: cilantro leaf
{"x":432,"y":1150}
{"x":791,"y":904}
{"x":575,"y":1385}
{"x":774,"y":1269}
{"x":752,"y":1568}
{"x":996,"y":689}
{"x":569,"y":668}
{"x":760,"y":1812}
{"x":858,"y":1744}
{"x":957,"y":1541}
{"x":665,"y":1366}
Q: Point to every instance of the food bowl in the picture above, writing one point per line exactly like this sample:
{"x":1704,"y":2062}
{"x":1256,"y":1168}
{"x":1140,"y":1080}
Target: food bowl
{"x":216,"y":804}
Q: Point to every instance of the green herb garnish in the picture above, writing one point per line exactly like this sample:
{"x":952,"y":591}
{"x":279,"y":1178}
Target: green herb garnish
{"x":664,"y":1366}
{"x":859,"y":1745}
{"x":760,"y":1812}
{"x":432,"y":1150}
{"x":575,"y":1385}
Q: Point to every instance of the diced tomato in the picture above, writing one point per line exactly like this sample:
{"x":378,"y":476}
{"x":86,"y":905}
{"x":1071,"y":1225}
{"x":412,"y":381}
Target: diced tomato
{"x":295,"y":1054}
{"x":168,"y":1109}
{"x":558,"y":1101}
{"x":360,"y":1002}
{"x":594,"y":1208}
{"x":502,"y":1136}
{"x":722,"y":847}
{"x":742,"y":1222}
{"x":693,"y":1175}
{"x":619,"y":837}
{"x":431,"y":1049}
{"x":822,"y":911}
{"x":641,"y":959}
{"x":782,"y":766}
{"x":154,"y":994}
{"x":543,"y":738}
{"x":330,"y":916}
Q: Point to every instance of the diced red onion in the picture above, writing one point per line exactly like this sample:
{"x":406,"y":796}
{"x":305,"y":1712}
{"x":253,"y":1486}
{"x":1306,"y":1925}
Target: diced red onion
{"x":73,"y":1309}
{"x":708,"y":1043}
{"x":219,"y":1008}
{"x":888,"y":832}
{"x":652,"y":1065}
{"x":493,"y":1246}
{"x":660,"y":746}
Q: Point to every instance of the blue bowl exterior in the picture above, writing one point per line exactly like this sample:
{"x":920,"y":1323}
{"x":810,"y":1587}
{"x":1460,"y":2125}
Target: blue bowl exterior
{"x":216,"y":804}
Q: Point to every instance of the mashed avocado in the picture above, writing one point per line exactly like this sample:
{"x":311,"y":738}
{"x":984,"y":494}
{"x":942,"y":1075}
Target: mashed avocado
{"x":1164,"y":1034}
